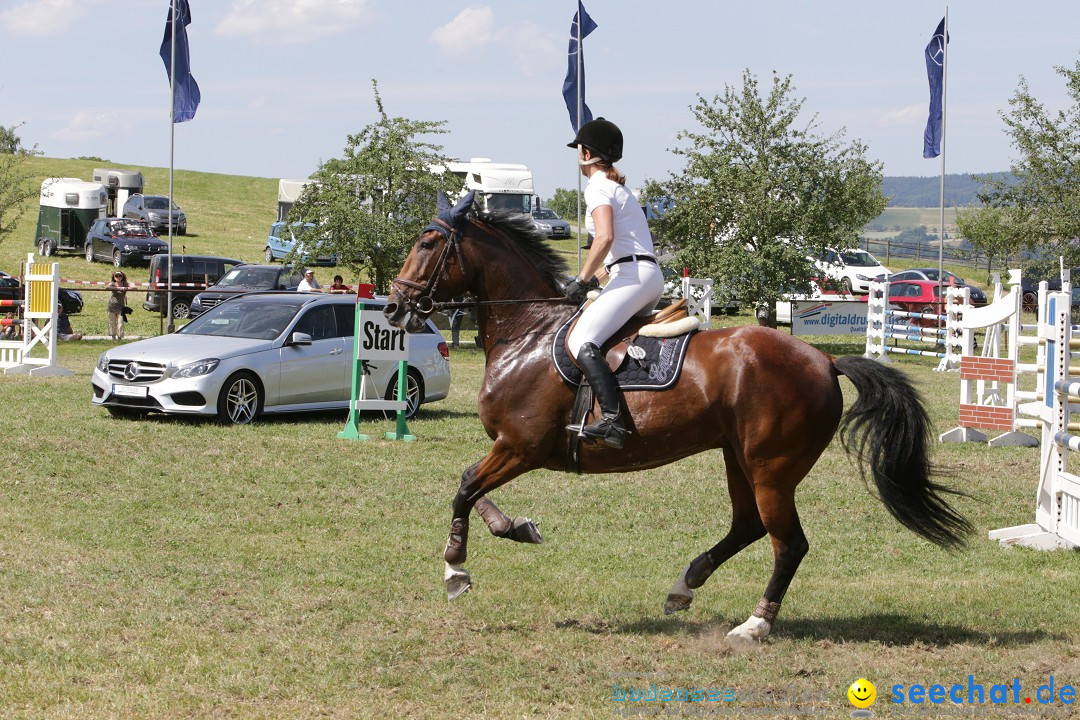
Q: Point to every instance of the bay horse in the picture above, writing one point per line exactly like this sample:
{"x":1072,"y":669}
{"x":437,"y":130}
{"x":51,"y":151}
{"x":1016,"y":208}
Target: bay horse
{"x":770,"y":402}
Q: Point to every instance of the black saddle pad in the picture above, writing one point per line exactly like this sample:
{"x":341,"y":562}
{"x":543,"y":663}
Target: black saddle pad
{"x":658,"y":368}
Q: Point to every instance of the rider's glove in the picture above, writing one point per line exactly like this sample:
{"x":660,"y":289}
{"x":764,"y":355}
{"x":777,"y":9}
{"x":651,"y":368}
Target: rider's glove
{"x":577,"y":291}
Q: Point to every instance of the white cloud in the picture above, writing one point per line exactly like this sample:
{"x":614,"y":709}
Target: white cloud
{"x":87,"y":125}
{"x":904,"y":116}
{"x":292,"y":21}
{"x":472,"y":28}
{"x":41,"y":18}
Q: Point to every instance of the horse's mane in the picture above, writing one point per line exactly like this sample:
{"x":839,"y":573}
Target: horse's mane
{"x":520,"y":229}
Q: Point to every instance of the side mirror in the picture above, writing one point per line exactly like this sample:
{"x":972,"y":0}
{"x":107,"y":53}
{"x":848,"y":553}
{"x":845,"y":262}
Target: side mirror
{"x":299,"y":338}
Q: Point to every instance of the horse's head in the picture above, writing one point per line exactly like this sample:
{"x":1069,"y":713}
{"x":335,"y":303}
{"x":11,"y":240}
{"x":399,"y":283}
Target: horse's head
{"x":434,"y":270}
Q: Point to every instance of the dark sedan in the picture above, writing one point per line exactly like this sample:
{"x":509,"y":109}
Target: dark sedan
{"x":11,"y":289}
{"x":978,"y":297}
{"x":122,"y":241}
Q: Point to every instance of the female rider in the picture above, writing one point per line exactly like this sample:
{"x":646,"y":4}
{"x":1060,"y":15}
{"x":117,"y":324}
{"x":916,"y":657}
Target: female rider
{"x":623,"y":246}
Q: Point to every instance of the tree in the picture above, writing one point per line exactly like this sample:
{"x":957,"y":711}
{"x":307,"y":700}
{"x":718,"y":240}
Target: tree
{"x":16,"y":181}
{"x":759,"y":194}
{"x":564,"y":203}
{"x":370,"y":204}
{"x":1038,"y":209}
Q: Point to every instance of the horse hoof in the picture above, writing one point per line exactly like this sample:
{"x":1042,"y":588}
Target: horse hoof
{"x":677,"y":603}
{"x":457,"y":581}
{"x":524,"y":530}
{"x":751,"y":632}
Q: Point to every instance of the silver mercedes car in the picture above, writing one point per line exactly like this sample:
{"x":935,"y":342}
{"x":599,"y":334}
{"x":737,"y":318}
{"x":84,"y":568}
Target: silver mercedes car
{"x":265,"y":352}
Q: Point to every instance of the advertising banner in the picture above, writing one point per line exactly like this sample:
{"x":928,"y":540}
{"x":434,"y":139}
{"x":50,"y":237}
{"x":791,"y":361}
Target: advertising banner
{"x":828,"y":317}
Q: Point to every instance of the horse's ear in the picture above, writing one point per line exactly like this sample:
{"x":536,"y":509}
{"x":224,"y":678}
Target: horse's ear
{"x":457,"y":215}
{"x":441,"y":201}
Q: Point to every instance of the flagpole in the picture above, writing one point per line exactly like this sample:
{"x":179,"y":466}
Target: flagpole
{"x":944,"y":105}
{"x":170,"y":326}
{"x":577,"y":169}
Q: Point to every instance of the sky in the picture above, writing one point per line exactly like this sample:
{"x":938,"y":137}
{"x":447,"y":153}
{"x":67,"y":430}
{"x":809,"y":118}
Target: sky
{"x":284,"y":82}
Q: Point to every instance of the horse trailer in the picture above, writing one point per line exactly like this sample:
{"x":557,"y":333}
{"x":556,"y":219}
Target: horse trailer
{"x":66,"y":210}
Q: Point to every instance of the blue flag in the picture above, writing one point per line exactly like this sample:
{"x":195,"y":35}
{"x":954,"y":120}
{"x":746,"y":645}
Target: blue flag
{"x":186,"y":99}
{"x":570,"y":90}
{"x":935,"y":66}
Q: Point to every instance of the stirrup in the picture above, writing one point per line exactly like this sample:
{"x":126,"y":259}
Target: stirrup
{"x":607,"y":430}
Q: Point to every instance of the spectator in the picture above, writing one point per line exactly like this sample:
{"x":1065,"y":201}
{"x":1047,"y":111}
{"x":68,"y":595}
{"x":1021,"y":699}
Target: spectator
{"x":10,"y":331}
{"x":117,"y":304}
{"x":63,"y":326}
{"x":309,"y":283}
{"x":339,"y":287}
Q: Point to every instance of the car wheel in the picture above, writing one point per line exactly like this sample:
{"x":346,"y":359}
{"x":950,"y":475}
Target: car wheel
{"x":117,"y":258}
{"x":269,"y":255}
{"x":1030,"y":301}
{"x":846,"y":285}
{"x":240,"y":400}
{"x":89,"y":252}
{"x":414,"y":393}
{"x":46,"y":248}
{"x":181,"y":309}
{"x":181,"y":231}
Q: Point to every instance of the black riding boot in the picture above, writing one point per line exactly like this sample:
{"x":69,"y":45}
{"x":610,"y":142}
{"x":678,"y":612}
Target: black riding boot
{"x":609,"y":428}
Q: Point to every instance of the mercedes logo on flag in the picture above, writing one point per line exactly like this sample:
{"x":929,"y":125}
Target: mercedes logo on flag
{"x":131,"y":371}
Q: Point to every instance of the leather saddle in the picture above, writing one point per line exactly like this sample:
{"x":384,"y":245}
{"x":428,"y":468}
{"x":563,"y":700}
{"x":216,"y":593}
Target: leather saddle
{"x":670,"y":321}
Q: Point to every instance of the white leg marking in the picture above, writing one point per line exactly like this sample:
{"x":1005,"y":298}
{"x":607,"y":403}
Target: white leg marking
{"x":754,"y":630}
{"x":680,"y":596}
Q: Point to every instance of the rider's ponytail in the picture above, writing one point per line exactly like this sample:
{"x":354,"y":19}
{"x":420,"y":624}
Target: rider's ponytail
{"x":612,"y":173}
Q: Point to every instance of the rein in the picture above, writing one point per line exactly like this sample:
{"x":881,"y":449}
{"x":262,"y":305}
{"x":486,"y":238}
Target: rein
{"x":424,"y":305}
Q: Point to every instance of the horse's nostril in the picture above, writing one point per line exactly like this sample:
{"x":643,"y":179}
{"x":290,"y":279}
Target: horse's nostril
{"x":390,"y":310}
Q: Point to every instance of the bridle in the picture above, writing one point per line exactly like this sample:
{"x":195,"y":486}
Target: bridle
{"x":425,"y":304}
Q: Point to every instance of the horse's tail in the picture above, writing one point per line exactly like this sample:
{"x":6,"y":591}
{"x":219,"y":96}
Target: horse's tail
{"x":889,"y":429}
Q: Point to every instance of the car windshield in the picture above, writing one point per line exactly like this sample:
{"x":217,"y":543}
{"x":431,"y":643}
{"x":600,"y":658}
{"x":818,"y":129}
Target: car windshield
{"x":545,"y":214}
{"x":252,"y":277}
{"x":507,"y":201}
{"x":241,"y":318}
{"x":158,"y":203}
{"x":128,"y":228}
{"x":859,"y":258}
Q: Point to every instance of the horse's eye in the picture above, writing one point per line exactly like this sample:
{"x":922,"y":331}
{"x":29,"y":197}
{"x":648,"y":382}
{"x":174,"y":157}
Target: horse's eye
{"x":427,"y":244}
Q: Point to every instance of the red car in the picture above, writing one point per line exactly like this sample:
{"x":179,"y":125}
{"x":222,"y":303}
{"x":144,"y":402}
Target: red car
{"x":919,"y":296}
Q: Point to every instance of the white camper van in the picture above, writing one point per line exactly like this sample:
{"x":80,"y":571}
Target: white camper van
{"x":503,"y":186}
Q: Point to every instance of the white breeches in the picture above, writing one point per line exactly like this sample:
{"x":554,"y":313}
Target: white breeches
{"x":634,"y":289}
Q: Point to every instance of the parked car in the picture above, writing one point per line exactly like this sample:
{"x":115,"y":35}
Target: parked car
{"x":919,"y":296}
{"x":11,"y":288}
{"x":154,"y":209}
{"x":547,"y":222}
{"x":191,"y":274}
{"x":978,"y":297}
{"x":266,"y":352}
{"x":283,"y":238}
{"x":122,"y":241}
{"x":853,"y":269}
{"x":246,"y":278}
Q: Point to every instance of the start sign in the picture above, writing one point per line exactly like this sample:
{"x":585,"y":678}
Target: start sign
{"x":379,"y":340}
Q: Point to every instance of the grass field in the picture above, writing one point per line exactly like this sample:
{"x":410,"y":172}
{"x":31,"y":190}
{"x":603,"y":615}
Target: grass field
{"x":172,"y":568}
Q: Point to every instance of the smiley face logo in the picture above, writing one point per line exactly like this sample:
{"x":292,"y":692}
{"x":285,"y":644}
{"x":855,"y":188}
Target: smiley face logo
{"x":862,"y":693}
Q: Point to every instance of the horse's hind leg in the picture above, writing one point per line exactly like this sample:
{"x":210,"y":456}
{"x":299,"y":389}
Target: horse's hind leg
{"x":778,"y":513}
{"x":746,"y":528}
{"x":520,"y":529}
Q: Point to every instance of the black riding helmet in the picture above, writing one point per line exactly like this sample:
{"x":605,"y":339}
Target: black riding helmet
{"x":601,"y":136}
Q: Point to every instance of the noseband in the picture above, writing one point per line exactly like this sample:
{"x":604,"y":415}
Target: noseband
{"x":424,"y":305}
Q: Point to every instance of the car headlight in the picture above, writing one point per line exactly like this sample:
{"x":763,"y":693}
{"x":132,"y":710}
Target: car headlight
{"x":545,"y":226}
{"x":103,"y":363}
{"x":129,"y":248}
{"x":195,"y":369}
{"x":863,"y":277}
{"x":154,"y":216}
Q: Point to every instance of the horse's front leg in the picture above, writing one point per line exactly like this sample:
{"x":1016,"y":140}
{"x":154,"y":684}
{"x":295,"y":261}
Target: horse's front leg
{"x":497,"y":468}
{"x":520,"y":529}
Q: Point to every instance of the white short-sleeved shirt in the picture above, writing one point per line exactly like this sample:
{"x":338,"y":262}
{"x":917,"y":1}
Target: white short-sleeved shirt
{"x":631,"y":229}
